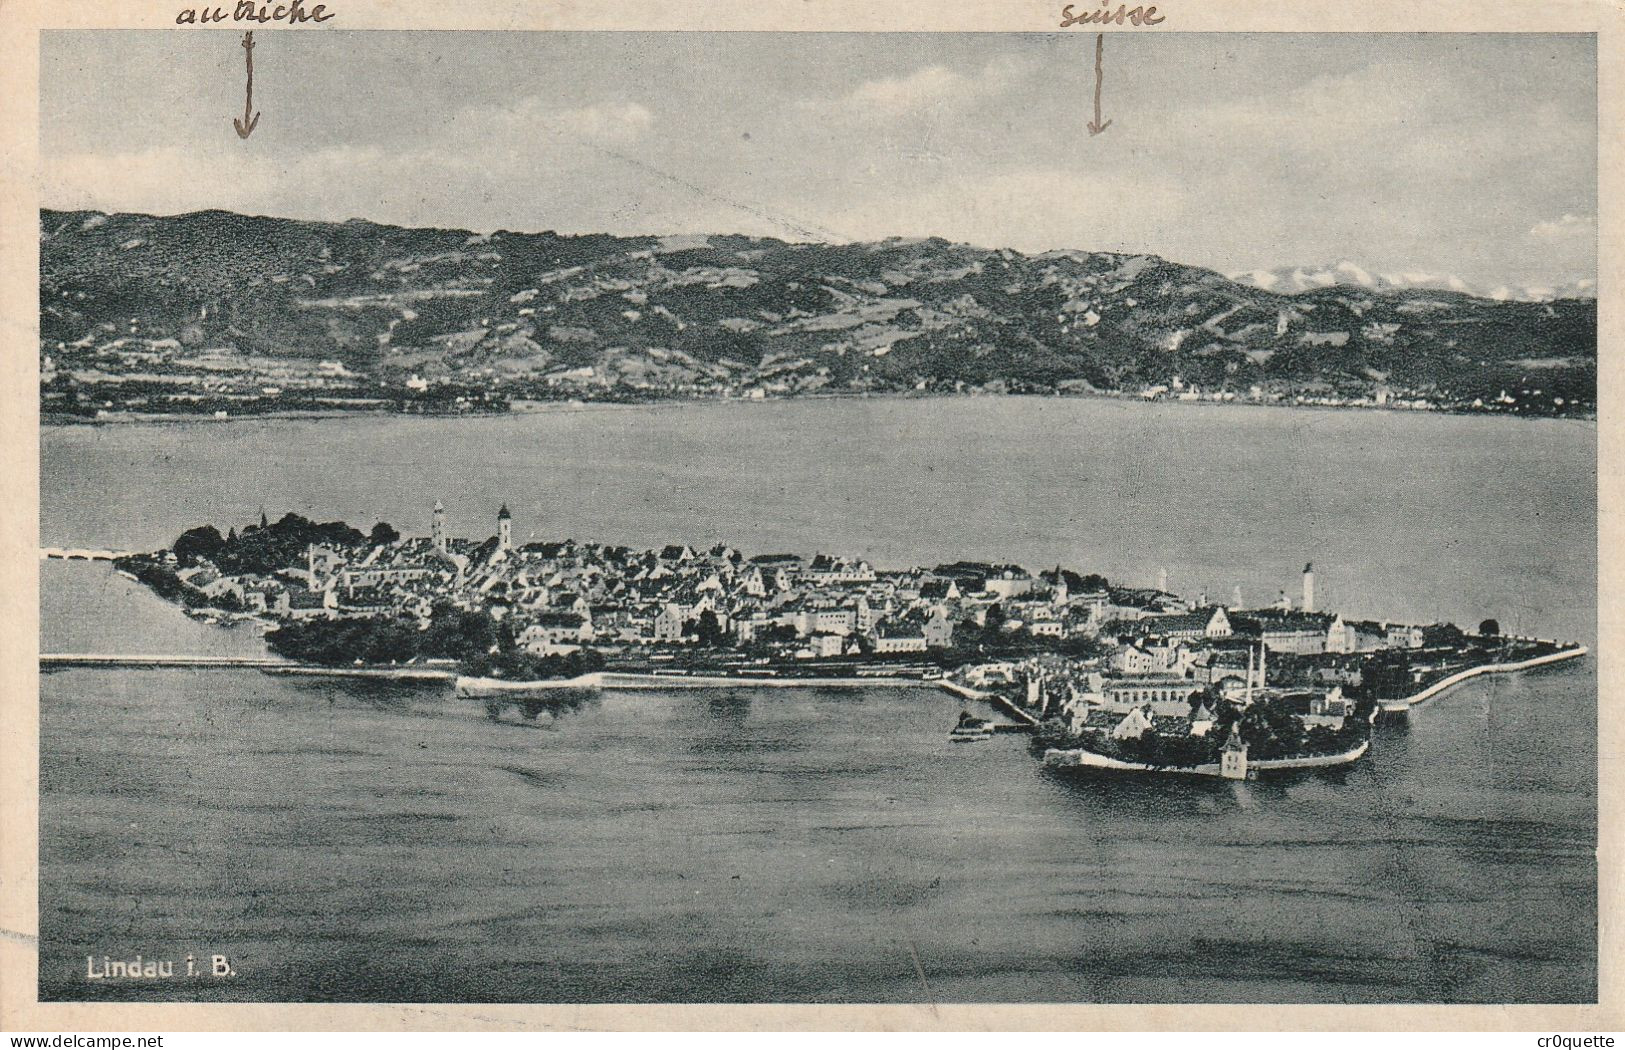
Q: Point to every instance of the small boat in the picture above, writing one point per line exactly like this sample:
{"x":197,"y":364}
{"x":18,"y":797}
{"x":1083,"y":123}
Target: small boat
{"x":971,"y":728}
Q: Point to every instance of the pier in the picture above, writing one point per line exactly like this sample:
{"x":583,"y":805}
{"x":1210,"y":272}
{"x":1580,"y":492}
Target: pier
{"x":1023,"y":720}
{"x":1402,"y":706}
{"x":49,"y":661}
{"x":436,"y":672}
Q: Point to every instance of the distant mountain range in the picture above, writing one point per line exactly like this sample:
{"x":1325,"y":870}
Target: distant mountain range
{"x":734,"y":315}
{"x":1292,"y":280}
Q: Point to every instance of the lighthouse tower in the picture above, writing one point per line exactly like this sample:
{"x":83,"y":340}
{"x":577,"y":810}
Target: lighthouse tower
{"x":504,"y":529}
{"x":1233,"y":756}
{"x":1309,"y":588}
{"x":437,"y":527}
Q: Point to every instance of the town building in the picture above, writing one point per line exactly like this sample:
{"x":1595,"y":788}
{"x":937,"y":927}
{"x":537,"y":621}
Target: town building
{"x":1142,"y":689}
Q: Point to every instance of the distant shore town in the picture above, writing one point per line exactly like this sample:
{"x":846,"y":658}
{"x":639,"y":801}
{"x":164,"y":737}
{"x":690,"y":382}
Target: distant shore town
{"x":1104,"y":676}
{"x":132,"y":380}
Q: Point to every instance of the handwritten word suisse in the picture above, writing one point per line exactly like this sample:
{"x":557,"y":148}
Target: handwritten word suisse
{"x":248,"y":11}
{"x":1107,"y":15}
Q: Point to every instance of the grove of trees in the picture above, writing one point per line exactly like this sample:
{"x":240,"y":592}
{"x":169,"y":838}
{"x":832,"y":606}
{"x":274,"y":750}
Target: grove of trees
{"x":263,"y":549}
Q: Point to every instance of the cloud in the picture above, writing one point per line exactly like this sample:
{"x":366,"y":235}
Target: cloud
{"x":1401,"y":156}
{"x":349,"y":181}
{"x":1029,"y":210}
{"x":1568,"y":228}
{"x":897,"y":95}
{"x":163,"y":179}
{"x":617,"y":123}
{"x":607,"y":122}
{"x":929,"y":87}
{"x":1561,"y":250}
{"x":533,"y":182}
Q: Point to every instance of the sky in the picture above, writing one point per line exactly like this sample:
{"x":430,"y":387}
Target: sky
{"x":1471,"y":155}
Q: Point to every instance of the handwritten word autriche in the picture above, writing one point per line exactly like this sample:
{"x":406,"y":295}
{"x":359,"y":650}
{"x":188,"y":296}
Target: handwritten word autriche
{"x":248,"y":11}
{"x":1106,"y":15}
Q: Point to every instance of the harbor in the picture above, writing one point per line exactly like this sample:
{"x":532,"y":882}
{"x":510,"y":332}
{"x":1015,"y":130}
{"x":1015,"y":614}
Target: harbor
{"x":1403,"y":706}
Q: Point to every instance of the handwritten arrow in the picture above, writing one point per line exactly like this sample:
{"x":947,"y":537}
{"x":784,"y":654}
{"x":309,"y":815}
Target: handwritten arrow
{"x":1095,"y":126}
{"x":245,"y":127}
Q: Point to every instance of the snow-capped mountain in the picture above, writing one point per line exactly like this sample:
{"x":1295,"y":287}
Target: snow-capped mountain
{"x":1291,"y":280}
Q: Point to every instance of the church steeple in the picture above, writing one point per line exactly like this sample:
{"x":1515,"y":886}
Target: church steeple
{"x":504,"y":529}
{"x":437,"y":527}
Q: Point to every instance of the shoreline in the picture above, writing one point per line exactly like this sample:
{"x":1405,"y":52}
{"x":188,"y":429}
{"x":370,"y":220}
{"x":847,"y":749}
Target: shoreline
{"x":476,"y":686}
{"x":399,"y":674}
{"x":638,"y":680}
{"x":1078,"y":758}
{"x":548,"y":407}
{"x":1073,"y":758}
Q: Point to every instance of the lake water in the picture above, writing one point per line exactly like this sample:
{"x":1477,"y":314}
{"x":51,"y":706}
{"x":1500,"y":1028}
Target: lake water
{"x":345,"y":841}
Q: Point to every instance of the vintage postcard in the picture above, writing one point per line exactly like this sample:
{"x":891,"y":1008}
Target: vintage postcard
{"x":955,"y":516}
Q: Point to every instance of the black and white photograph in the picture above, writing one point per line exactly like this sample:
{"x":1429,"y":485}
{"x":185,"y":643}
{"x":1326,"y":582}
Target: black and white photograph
{"x":1087,"y":513}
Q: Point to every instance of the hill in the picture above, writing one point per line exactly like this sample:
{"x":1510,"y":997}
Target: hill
{"x":218,"y":305}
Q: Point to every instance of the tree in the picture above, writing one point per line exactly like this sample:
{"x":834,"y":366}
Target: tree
{"x":706,"y":628}
{"x":1180,"y":752}
{"x":1081,"y":647}
{"x":777,"y":632}
{"x":204,"y":541}
{"x":459,"y":633}
{"x":279,"y":545}
{"x":1444,"y":634}
{"x":1489,"y":628}
{"x":1056,"y":732}
{"x":383,"y":534}
{"x":1270,"y":731}
{"x":1386,"y":675}
{"x":1322,"y":740}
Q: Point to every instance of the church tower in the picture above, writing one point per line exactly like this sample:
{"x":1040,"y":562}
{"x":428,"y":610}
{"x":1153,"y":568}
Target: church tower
{"x":504,"y":529}
{"x":437,"y":529}
{"x":1309,"y":588}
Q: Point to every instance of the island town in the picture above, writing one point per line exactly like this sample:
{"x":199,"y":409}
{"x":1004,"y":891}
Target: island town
{"x":1102,"y":676}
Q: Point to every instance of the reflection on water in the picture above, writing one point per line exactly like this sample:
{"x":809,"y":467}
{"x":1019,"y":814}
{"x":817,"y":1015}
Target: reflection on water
{"x":537,"y":707}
